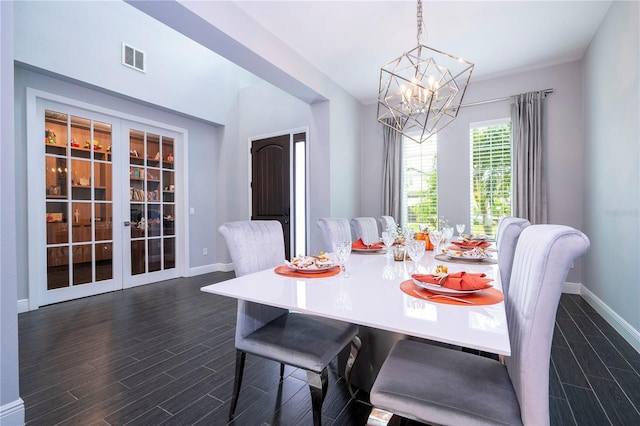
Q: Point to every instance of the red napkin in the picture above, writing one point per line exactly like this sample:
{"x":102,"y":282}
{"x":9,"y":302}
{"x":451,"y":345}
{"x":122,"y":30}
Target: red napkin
{"x":471,"y":244}
{"x":457,"y":280}
{"x":362,"y":246}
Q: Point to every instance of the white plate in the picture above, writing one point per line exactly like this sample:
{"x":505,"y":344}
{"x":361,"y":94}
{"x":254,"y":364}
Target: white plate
{"x":433,"y":288}
{"x":479,"y":237}
{"x":453,"y":255}
{"x":371,"y":250}
{"x":311,"y":269}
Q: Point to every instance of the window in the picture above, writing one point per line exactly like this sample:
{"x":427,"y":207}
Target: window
{"x":490,"y":175}
{"x":419,"y":183}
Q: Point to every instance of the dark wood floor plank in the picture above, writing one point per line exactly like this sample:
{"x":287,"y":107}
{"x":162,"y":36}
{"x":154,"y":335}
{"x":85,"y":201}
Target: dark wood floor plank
{"x":615,"y":403}
{"x":590,"y":362}
{"x":197,"y":390}
{"x":159,"y":368}
{"x":152,"y":417}
{"x":585,"y":407}
{"x":555,"y":387}
{"x":569,"y":370}
{"x":609,"y":354}
{"x":630,"y":384}
{"x":570,"y":330}
{"x":560,"y":412}
{"x":191,"y":413}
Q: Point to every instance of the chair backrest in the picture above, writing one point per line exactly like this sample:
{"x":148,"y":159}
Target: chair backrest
{"x":366,"y":228}
{"x":334,"y":229}
{"x":386,"y":222}
{"x":254,"y":246}
{"x":509,"y":229}
{"x":542,"y":260}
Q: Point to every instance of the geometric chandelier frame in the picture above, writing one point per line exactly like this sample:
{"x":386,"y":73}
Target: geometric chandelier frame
{"x":421,"y":92}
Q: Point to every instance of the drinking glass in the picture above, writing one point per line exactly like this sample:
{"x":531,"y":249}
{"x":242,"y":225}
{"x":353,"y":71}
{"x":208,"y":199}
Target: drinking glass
{"x":388,"y":239}
{"x":415,"y":249}
{"x":460,"y":228}
{"x":447,"y":235}
{"x":436,"y":238}
{"x":342,"y":249}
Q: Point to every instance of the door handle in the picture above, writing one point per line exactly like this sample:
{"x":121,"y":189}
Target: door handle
{"x":286,"y":216}
{"x":127,"y":223}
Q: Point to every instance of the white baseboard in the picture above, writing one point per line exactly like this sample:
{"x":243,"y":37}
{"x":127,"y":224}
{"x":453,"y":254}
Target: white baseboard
{"x":572,"y":288}
{"x":626,"y":330}
{"x":12,"y":414}
{"x":23,"y":305}
{"x":214,"y":267}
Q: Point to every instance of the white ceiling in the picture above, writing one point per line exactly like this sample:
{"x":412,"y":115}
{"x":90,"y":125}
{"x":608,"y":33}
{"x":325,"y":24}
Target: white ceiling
{"x":350,"y":40}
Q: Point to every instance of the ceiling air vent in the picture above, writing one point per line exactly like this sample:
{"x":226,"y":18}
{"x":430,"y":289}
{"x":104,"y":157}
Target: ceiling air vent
{"x":132,"y":57}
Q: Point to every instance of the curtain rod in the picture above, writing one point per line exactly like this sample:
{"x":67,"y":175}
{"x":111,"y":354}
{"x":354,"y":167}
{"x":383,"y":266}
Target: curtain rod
{"x":490,"y":101}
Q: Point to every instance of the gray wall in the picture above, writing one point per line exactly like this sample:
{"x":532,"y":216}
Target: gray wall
{"x":612,"y":164}
{"x":11,"y":406}
{"x":564,"y":136}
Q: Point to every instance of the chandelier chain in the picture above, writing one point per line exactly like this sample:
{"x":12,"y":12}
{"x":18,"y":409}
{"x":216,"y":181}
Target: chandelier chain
{"x":420,"y":24}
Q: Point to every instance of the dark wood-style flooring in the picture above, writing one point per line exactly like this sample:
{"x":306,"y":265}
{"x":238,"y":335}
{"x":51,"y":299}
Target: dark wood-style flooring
{"x":163,"y":354}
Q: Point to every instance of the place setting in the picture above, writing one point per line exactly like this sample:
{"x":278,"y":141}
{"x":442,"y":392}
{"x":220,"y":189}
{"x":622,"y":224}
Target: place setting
{"x":377,"y":247}
{"x":320,"y":266}
{"x":457,"y":288}
{"x":470,"y":256}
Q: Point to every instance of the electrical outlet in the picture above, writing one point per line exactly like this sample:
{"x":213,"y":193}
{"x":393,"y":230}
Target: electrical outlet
{"x":205,"y":251}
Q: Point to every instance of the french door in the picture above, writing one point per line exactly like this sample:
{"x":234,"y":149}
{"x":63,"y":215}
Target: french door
{"x":102,"y":210}
{"x":150,"y":231}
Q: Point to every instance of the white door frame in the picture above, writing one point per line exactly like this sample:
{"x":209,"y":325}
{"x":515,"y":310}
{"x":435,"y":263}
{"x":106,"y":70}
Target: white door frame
{"x":35,"y":177}
{"x":292,"y":200}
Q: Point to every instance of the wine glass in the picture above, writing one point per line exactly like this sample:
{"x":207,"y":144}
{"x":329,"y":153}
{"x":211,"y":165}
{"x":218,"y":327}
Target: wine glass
{"x":435,"y":237}
{"x":342,"y":249}
{"x":415,"y":250}
{"x":460,"y":229}
{"x":388,"y":239}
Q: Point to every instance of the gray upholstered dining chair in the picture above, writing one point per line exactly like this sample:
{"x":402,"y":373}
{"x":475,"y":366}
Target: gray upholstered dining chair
{"x":387,"y":222}
{"x":442,"y":386}
{"x":509,"y":229}
{"x":334,"y":229}
{"x":366,"y":228}
{"x":295,"y":339}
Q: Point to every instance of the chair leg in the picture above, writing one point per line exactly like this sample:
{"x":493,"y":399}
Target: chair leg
{"x":356,"y":344}
{"x":240,"y":356}
{"x":318,"y":383}
{"x":379,"y":417}
{"x":281,"y":371}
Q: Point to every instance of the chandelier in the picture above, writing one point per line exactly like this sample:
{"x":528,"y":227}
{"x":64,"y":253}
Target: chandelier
{"x":421,"y":91}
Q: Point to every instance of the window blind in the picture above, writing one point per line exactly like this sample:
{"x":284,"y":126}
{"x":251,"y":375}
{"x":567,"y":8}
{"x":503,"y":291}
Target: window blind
{"x":419,"y":182}
{"x":490,"y":175}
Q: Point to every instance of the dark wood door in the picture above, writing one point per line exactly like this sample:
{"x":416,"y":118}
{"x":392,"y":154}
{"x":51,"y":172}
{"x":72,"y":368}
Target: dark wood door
{"x":270,"y":186}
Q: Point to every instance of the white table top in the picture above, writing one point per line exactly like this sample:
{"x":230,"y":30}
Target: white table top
{"x":371,"y":296}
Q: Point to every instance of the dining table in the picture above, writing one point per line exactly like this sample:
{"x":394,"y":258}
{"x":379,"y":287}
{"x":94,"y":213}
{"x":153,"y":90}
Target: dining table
{"x":377,"y":293}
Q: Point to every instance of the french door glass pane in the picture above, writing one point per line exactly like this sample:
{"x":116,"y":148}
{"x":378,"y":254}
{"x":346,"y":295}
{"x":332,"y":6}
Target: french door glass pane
{"x":104,"y":261}
{"x":82,"y":264}
{"x":78,"y":179}
{"x":57,"y":267}
{"x":152,"y":202}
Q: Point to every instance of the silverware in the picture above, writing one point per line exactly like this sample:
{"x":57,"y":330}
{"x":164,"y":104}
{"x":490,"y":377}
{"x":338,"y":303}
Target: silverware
{"x":458,"y":299}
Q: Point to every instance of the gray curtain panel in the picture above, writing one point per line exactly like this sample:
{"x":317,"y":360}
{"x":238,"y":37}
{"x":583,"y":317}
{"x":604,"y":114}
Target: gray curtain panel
{"x":392,"y":172}
{"x":529,"y":180}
